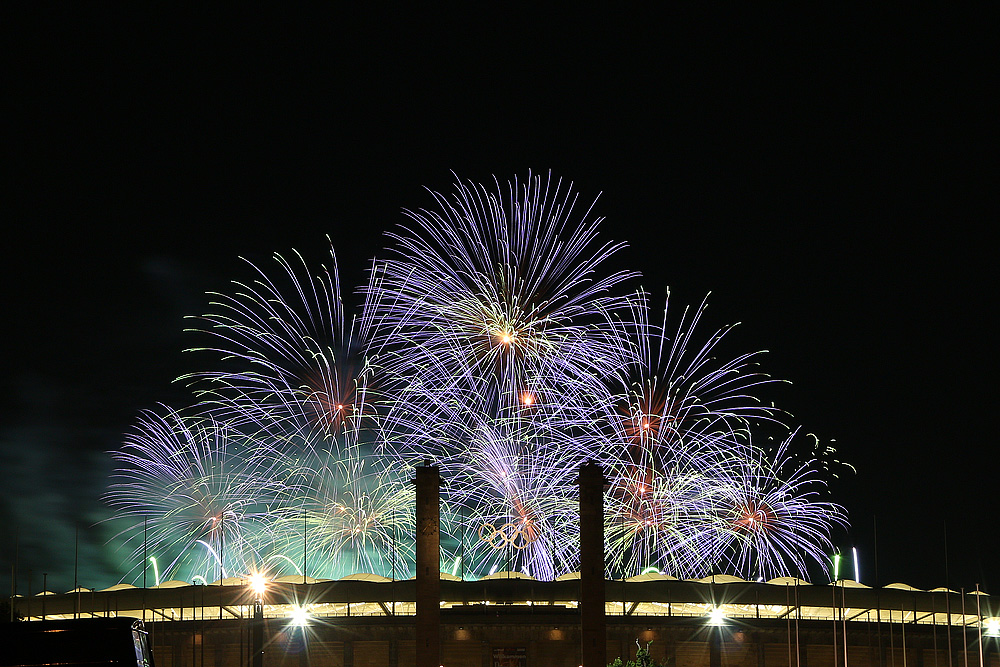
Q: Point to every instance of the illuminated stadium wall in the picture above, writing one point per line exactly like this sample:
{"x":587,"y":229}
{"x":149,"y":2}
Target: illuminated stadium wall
{"x":512,"y":619}
{"x":370,"y":620}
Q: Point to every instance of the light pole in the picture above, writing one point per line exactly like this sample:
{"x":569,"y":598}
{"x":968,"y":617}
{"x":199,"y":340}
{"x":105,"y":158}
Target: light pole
{"x":259,"y":586}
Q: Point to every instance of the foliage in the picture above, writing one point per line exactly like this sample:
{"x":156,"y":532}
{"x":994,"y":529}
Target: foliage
{"x":642,"y":659}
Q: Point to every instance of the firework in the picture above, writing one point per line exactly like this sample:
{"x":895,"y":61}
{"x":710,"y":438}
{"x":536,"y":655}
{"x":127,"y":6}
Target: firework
{"x":494,"y":341}
{"x":511,"y":498}
{"x":668,"y":429}
{"x":498,"y":286}
{"x":301,"y":389}
{"x":283,"y":341}
{"x":681,"y":390}
{"x":195,"y":494}
{"x":667,"y":521}
{"x":773,"y":517}
{"x":352,"y":506}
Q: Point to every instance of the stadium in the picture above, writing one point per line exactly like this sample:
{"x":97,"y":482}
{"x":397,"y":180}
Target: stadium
{"x":511,"y":619}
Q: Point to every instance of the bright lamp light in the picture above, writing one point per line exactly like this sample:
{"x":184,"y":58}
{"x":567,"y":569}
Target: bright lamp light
{"x":716,"y":616}
{"x":258,"y":583}
{"x":300,"y":616}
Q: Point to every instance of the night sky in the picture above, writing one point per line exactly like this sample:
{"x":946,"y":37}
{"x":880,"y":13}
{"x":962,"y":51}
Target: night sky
{"x":824,"y":177}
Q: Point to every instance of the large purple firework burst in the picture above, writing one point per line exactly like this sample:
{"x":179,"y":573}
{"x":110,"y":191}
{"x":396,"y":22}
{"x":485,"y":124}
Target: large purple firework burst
{"x":195,"y":491}
{"x":495,"y":341}
{"x":499,"y":292}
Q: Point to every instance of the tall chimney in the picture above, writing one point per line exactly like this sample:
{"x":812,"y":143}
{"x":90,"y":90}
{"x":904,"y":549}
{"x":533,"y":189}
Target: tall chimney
{"x":593,"y":630}
{"x":428,"y":561}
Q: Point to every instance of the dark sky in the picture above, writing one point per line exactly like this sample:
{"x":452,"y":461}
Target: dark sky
{"x":824,"y":177}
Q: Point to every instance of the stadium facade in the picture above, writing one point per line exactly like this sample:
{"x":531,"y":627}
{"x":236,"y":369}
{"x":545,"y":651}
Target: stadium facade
{"x":509,"y":619}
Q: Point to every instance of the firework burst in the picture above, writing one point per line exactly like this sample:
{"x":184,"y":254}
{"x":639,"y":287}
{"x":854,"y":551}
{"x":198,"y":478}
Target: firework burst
{"x":285,"y":341}
{"x":351,"y":504}
{"x":667,"y":428}
{"x":665,"y":521}
{"x":774,"y":518}
{"x":500,"y":286}
{"x":196,"y":495}
{"x":511,"y":498}
{"x":495,"y":341}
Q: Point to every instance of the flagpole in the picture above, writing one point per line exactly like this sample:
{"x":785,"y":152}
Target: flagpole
{"x":13,"y":572}
{"x":843,"y":616}
{"x":878,"y":604}
{"x":145,"y":547}
{"x":965,"y":636}
{"x":947,"y":591}
{"x":979,"y":625}
{"x":76,"y":571}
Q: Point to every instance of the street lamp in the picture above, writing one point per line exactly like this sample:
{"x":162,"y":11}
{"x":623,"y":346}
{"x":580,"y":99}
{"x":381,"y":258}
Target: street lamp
{"x":258,"y":584}
{"x":300,"y":616}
